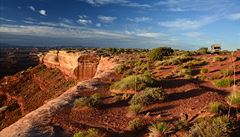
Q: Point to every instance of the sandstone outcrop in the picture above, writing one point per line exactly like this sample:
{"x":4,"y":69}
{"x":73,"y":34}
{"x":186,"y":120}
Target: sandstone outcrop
{"x":77,"y":65}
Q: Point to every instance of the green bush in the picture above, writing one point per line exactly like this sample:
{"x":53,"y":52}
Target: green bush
{"x":223,"y":82}
{"x":189,"y":77}
{"x":135,"y":109}
{"x":93,"y":101}
{"x":220,"y":126}
{"x":202,"y":50}
{"x":226,"y":72}
{"x":185,"y":71}
{"x":148,"y":96}
{"x":215,"y":59}
{"x":139,"y":82}
{"x":215,"y":107}
{"x":204,"y":70}
{"x":135,"y":124}
{"x":159,"y":53}
{"x":234,"y":99}
{"x":159,"y":130}
{"x":89,"y":133}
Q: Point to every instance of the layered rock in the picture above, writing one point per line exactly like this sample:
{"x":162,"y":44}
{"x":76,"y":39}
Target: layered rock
{"x":78,"y":65}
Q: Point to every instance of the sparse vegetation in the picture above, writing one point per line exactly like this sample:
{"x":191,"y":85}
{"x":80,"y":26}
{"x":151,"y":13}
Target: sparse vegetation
{"x":135,"y":109}
{"x":223,"y":82}
{"x":204,"y":70}
{"x":148,"y":96}
{"x":174,"y":60}
{"x":215,"y":107}
{"x":92,"y":132}
{"x":161,"y":129}
{"x":159,"y":53}
{"x":220,"y":126}
{"x":186,"y":72}
{"x":135,"y":124}
{"x":202,"y":51}
{"x":215,"y":59}
{"x":234,"y":99}
{"x":227,"y":72}
{"x":137,"y":83}
{"x":93,"y":101}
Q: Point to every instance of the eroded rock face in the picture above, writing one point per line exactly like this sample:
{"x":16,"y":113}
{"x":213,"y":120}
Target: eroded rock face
{"x":78,"y":65}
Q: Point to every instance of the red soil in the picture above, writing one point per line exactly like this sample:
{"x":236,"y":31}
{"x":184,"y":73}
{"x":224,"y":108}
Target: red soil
{"x":26,"y":91}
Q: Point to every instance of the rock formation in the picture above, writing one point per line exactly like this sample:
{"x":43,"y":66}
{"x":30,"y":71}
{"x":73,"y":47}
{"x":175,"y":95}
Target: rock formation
{"x":78,"y":65}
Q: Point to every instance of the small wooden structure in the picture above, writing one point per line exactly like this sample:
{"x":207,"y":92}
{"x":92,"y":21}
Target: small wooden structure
{"x":215,"y":48}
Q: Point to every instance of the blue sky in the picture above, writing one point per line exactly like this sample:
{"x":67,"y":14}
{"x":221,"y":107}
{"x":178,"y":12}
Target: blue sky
{"x":182,"y":24}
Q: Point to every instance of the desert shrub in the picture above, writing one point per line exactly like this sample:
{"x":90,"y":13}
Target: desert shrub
{"x":215,"y":107}
{"x":223,"y":82}
{"x":93,"y":101}
{"x":202,"y":50}
{"x":234,"y":99}
{"x":185,"y":71}
{"x":204,"y":70}
{"x":159,"y":53}
{"x":193,"y":63}
{"x":202,"y":77}
{"x":147,"y":73}
{"x":215,"y":59}
{"x":139,"y":82}
{"x":135,"y":124}
{"x":121,"y":68}
{"x":128,"y":72}
{"x":135,"y":109}
{"x":92,"y":132}
{"x":148,"y":96}
{"x":174,"y":60}
{"x":159,"y":130}
{"x":220,"y":126}
{"x":226,"y":72}
{"x":189,"y":77}
{"x":182,"y":124}
{"x":82,"y":101}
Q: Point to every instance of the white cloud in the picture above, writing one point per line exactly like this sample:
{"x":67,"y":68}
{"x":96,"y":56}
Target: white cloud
{"x":186,"y":24}
{"x":120,"y":2}
{"x":195,"y":5}
{"x":67,"y":21}
{"x":55,"y":30}
{"x":140,"y":19}
{"x":193,"y":34}
{"x":83,"y":16}
{"x":234,"y":16}
{"x":7,"y":20}
{"x":98,"y":24}
{"x":106,"y":19}
{"x":32,"y":8}
{"x":151,"y":34}
{"x":84,"y":21}
{"x":137,"y":5}
{"x":43,"y":12}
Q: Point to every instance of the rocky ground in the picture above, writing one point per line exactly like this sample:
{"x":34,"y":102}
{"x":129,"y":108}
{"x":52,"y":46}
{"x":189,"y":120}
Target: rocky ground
{"x":59,"y":117}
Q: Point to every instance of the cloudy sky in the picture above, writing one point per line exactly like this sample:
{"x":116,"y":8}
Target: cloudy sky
{"x":182,"y":24}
